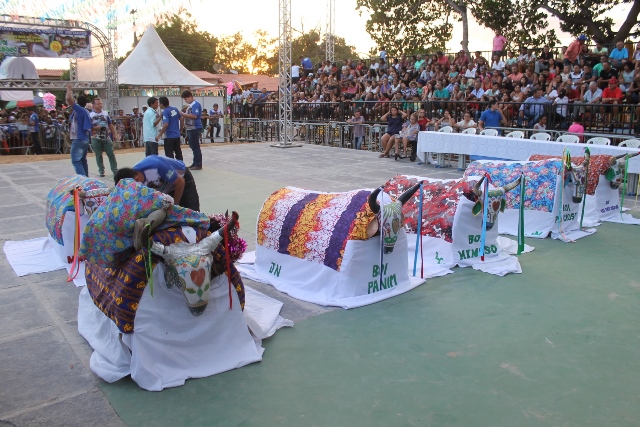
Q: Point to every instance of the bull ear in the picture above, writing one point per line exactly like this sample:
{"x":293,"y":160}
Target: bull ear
{"x":476,"y":208}
{"x":610,"y":174}
{"x":372,"y":228}
{"x":503,"y":203}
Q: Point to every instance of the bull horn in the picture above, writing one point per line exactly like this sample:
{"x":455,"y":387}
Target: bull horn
{"x":614,"y":159}
{"x":512,"y":185}
{"x":587,"y":157}
{"x":373,"y":200}
{"x":476,"y":188}
{"x":141,"y":232}
{"x":632,"y":155}
{"x":404,"y":197}
{"x":233,"y":221}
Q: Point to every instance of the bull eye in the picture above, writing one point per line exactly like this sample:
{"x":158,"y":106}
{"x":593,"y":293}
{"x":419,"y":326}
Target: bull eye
{"x":495,"y":205}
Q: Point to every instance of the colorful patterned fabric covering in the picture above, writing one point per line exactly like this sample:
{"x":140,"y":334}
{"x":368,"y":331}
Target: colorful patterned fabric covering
{"x":598,"y":165}
{"x":438,"y":205}
{"x":60,"y":200}
{"x":117,"y":291}
{"x":541,"y":180}
{"x":108,"y":236}
{"x":314,"y":226}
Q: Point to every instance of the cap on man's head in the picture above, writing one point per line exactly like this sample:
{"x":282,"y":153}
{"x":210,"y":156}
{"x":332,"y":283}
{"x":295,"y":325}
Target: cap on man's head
{"x":613,"y":81}
{"x":135,"y":108}
{"x":582,"y":37}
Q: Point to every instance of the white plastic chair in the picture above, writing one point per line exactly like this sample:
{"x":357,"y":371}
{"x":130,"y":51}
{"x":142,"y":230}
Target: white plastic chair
{"x":571,"y":139}
{"x":541,"y":136}
{"x":470,"y":131}
{"x":599,"y":141}
{"x":515,"y":134}
{"x":446,"y":129}
{"x":489,"y":132}
{"x":630,"y":143}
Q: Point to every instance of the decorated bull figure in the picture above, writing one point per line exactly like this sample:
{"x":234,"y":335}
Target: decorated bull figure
{"x":140,"y":325}
{"x":551,"y":202}
{"x":496,"y":200}
{"x":451,"y":224}
{"x":617,"y":169}
{"x":63,"y":211}
{"x":187,"y":265}
{"x":605,"y":174}
{"x":326,"y":248}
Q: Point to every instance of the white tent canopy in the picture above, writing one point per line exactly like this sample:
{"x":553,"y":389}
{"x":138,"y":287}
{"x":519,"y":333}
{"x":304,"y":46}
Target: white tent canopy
{"x":17,"y":68}
{"x":151,"y":64}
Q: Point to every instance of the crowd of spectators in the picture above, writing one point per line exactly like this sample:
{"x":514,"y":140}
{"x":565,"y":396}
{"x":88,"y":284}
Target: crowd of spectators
{"x":595,"y":85}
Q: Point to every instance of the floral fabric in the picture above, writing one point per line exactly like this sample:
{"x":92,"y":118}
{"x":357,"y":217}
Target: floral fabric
{"x":598,"y":165}
{"x":440,"y":201}
{"x":314,"y":226}
{"x":541,"y":181}
{"x":60,"y":200}
{"x":108,"y":236}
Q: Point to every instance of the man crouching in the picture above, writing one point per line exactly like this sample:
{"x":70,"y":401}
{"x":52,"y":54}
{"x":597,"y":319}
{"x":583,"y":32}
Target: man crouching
{"x":166,"y":175}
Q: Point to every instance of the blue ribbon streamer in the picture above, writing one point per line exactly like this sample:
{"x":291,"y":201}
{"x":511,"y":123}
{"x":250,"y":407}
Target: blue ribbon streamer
{"x":485,"y":211}
{"x":415,"y":257}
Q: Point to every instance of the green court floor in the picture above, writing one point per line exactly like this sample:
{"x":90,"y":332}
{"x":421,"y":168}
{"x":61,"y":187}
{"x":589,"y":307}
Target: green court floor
{"x":558,"y":345}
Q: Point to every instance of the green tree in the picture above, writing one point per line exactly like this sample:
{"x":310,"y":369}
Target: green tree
{"x":589,"y":17}
{"x":234,"y":53}
{"x":194,"y":49}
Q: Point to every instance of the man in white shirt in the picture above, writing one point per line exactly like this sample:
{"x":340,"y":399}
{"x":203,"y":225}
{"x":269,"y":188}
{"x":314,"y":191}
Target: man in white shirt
{"x":101,"y":126}
{"x":497,"y":64}
{"x":150,"y":122}
{"x":295,"y":73}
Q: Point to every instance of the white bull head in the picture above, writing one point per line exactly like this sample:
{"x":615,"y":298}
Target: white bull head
{"x":496,"y":200}
{"x":579,"y":176}
{"x":188,"y":265}
{"x":389,"y":219}
{"x":615,"y":174}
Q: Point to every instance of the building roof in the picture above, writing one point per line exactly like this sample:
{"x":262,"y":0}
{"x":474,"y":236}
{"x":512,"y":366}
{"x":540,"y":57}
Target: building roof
{"x":46,"y":74}
{"x":271,"y":83}
{"x":204,"y":75}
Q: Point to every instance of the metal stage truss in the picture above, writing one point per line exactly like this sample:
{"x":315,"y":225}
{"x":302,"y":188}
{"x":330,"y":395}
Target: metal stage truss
{"x":110,"y":61}
{"x":285,"y":101}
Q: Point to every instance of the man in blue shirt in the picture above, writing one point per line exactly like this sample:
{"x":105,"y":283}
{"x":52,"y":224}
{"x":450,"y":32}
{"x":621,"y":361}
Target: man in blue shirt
{"x":619,"y":55}
{"x":34,"y":129}
{"x":170,"y":129}
{"x":492,"y":117}
{"x":533,"y":107}
{"x":307,"y":65}
{"x":193,"y":125}
{"x":166,"y":175}
{"x":79,"y":132}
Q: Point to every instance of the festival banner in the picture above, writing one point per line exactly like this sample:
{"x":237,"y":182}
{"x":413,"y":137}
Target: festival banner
{"x":45,"y":42}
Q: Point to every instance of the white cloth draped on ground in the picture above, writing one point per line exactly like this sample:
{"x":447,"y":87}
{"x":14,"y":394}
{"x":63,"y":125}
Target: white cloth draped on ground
{"x":511,"y":148}
{"x":39,"y":255}
{"x":169,"y":344}
{"x":606,"y":204}
{"x":545,"y":199}
{"x":358,"y":282}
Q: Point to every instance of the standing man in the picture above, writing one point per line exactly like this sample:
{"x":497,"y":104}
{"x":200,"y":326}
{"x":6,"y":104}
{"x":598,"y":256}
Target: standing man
{"x":498,"y":44}
{"x":574,"y":49}
{"x":150,"y":122}
{"x":34,"y":129}
{"x":193,"y":126}
{"x":307,"y":65}
{"x":79,"y":132}
{"x":100,"y":125}
{"x":170,"y":129}
{"x":214,"y":117}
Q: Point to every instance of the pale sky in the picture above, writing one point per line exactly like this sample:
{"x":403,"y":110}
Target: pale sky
{"x":246,"y":16}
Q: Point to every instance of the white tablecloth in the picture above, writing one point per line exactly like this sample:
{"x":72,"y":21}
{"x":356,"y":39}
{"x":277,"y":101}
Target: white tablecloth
{"x":511,"y":148}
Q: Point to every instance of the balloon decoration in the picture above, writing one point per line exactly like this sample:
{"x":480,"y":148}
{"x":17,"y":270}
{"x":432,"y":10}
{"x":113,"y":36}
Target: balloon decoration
{"x":49,"y":101}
